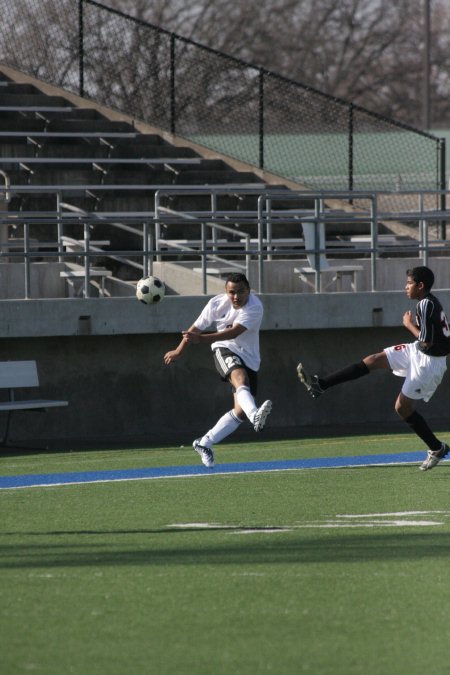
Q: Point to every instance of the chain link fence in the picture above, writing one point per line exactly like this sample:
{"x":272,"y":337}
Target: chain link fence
{"x":221,"y":102}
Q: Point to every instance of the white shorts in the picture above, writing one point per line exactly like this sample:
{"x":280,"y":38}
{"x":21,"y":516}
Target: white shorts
{"x":422,"y":373}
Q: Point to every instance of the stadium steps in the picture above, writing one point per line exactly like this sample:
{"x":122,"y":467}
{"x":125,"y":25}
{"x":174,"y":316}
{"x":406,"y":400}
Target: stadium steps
{"x":53,"y":128}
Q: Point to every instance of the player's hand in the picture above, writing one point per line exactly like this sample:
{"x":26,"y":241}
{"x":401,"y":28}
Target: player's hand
{"x":408,"y":319}
{"x":171,"y":356}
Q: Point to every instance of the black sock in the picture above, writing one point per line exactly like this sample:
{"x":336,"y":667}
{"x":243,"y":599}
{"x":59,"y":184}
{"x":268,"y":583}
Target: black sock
{"x":423,"y":431}
{"x":345,"y":375}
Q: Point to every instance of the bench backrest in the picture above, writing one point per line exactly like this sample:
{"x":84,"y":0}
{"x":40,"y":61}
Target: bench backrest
{"x":309,"y":234}
{"x":18,"y":374}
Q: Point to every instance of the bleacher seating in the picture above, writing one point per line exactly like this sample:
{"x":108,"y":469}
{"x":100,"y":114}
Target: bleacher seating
{"x":46,"y":127}
{"x":48,"y":141}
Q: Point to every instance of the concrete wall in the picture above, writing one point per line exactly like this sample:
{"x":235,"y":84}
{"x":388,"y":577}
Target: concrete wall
{"x":106,"y":357}
{"x":45,"y":280}
{"x":279,"y":276}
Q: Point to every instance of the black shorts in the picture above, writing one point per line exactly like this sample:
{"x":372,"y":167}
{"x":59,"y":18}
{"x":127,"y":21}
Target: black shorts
{"x":226,"y":361}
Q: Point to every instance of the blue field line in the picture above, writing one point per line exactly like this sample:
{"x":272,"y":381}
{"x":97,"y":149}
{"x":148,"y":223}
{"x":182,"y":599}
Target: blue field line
{"x":76,"y":477}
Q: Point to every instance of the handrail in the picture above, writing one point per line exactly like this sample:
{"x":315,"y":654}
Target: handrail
{"x":273,"y":208}
{"x":7,"y":185}
{"x":205,"y":256}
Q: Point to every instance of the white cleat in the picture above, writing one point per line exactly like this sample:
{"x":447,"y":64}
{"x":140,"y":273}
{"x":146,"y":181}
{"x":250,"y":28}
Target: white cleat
{"x":261,"y":415}
{"x":206,"y":454}
{"x":434,"y":457}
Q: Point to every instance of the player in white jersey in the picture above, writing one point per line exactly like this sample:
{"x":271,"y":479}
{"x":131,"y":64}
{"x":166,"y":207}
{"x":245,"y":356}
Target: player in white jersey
{"x":237,"y":316}
{"x":422,"y":363}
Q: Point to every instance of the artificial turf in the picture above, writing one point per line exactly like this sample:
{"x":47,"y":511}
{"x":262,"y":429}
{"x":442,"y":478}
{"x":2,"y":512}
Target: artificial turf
{"x":325,"y":571}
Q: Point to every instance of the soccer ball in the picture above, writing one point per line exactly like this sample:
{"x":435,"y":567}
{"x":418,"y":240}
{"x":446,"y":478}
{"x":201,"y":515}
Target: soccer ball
{"x":150,"y":290}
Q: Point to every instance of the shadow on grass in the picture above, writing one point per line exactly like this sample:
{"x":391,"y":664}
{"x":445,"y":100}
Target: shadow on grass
{"x":163,"y":548}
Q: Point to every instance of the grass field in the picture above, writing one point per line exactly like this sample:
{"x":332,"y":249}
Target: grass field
{"x":324,"y":571}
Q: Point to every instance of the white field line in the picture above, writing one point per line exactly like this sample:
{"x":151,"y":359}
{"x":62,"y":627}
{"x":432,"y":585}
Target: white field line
{"x":375,"y":523}
{"x":387,"y":514}
{"x":391,"y":519}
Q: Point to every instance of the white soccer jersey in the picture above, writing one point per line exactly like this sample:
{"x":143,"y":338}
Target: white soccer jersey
{"x":220,"y":311}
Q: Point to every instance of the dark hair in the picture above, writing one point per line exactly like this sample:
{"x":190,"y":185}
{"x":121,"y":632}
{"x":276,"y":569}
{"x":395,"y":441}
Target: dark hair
{"x":423,"y":274}
{"x":237,"y":278}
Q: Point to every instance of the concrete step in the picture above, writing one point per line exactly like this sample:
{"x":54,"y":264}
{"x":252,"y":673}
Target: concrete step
{"x":96,"y":125}
{"x":10,"y":87}
{"x":31,"y":99}
{"x":216,"y":177}
{"x":151,"y":150}
{"x":21,"y":124}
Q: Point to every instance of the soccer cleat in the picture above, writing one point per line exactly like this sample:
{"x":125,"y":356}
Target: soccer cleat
{"x":434,"y":457}
{"x":261,"y":415}
{"x":206,"y":454}
{"x":311,"y":383}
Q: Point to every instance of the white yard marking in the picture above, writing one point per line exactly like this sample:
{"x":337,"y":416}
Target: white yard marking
{"x":379,"y":523}
{"x":236,"y":529}
{"x":199,"y":526}
{"x":386,"y":515}
{"x":263,"y":530}
{"x":346,"y":520}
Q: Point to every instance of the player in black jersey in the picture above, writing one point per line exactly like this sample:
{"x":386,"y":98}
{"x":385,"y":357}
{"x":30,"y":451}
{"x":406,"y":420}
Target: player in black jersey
{"x":422,"y":363}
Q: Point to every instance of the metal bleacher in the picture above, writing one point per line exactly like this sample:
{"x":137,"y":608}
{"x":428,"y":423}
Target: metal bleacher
{"x":101,"y":202}
{"x":90,"y":165}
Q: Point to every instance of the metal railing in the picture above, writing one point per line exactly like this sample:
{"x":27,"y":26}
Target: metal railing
{"x":275,"y":213}
{"x":275,"y":210}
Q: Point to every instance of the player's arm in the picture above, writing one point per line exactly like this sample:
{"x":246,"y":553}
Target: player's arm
{"x":175,"y":354}
{"x":197,"y":337}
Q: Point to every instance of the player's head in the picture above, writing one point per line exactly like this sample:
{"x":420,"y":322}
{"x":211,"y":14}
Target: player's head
{"x":237,"y":278}
{"x":422,"y":275}
{"x":237,"y":289}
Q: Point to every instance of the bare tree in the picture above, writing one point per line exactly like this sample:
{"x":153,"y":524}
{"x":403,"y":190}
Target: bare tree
{"x":366,"y":51}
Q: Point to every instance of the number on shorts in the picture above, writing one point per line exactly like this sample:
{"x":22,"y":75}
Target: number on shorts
{"x":232,"y":361}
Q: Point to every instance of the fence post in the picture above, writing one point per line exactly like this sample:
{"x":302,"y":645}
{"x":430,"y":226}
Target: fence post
{"x":443,"y":184}
{"x":26,"y":256}
{"x":80,"y":48}
{"x":261,"y":118}
{"x":350,"y":149}
{"x":172,"y":84}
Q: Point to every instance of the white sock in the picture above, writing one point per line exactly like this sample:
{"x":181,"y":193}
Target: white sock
{"x":222,"y":428}
{"x":246,"y":401}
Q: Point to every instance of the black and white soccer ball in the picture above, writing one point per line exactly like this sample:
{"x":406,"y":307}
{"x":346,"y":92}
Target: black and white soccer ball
{"x":150,"y":290}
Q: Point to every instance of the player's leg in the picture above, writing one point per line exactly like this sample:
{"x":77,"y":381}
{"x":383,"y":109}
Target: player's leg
{"x":244,"y":406}
{"x":244,"y":383}
{"x":225,"y":361}
{"x":224,"y":426}
{"x":405,"y":408}
{"x":317,"y":385}
{"x":244,"y":398}
{"x":423,"y":375}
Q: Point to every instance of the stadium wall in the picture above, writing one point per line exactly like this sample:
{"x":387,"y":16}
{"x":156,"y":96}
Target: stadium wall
{"x":106,"y":357}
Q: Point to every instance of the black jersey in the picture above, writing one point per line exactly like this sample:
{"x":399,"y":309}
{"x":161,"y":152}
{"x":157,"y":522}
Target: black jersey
{"x":434,"y":338}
